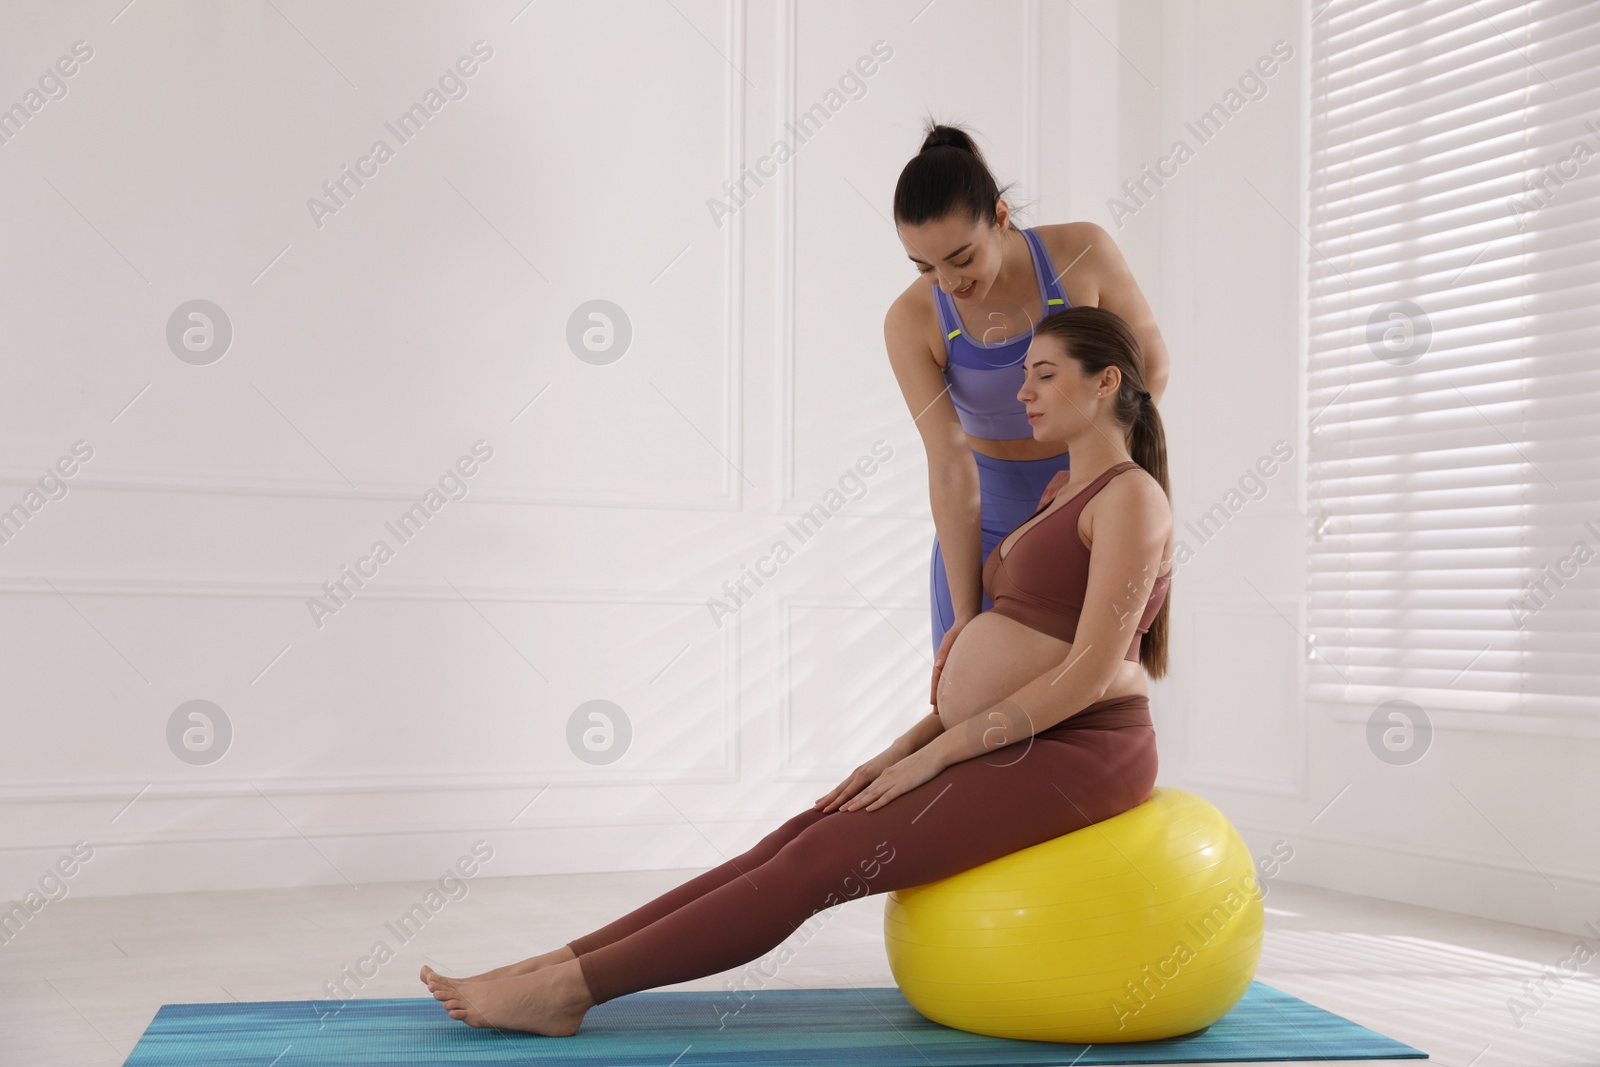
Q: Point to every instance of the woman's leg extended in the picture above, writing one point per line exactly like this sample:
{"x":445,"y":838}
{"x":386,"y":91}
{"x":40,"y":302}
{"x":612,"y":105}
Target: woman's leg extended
{"x":674,"y":899}
{"x":969,"y":813}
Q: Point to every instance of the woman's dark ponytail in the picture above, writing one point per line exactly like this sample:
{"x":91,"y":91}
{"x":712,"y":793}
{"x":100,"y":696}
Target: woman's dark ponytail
{"x":1097,"y":339}
{"x":1147,"y":437}
{"x":947,"y":174}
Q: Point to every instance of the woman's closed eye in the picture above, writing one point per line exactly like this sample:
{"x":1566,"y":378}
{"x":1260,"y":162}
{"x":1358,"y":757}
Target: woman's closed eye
{"x":968,"y":263}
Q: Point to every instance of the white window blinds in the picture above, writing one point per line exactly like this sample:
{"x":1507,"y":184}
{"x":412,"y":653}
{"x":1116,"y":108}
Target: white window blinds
{"x":1454,"y":378}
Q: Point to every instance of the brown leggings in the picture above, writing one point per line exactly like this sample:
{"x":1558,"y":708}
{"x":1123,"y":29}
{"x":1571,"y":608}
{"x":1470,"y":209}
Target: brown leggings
{"x":1098,"y":763}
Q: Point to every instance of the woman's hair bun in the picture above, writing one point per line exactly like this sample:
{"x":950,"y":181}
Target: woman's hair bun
{"x":948,"y":135}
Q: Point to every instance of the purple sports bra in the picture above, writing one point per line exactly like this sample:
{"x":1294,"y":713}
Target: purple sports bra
{"x":984,"y":378}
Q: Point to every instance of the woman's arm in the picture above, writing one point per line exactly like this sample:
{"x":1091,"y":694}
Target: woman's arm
{"x":926,"y":729}
{"x":1116,"y":291}
{"x":1130,"y":528}
{"x":901,"y":749}
{"x":953,"y":489}
{"x":953,"y":496}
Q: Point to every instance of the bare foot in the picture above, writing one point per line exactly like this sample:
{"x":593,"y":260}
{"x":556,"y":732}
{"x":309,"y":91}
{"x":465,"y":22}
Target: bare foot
{"x":551,"y":1001}
{"x":510,"y":970}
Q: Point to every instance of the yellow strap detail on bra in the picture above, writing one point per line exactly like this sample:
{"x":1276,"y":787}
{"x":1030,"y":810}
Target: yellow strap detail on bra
{"x":951,"y":334}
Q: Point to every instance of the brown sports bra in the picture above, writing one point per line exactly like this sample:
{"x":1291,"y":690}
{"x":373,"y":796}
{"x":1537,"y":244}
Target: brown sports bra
{"x":1042,"y":579}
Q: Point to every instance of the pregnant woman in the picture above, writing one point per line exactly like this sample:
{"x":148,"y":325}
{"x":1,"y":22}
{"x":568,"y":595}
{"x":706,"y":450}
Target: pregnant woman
{"x":965,"y":335}
{"x":1041,"y":724}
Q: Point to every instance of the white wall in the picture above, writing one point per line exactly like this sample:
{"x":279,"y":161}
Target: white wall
{"x":372,"y":351}
{"x":432,"y":311}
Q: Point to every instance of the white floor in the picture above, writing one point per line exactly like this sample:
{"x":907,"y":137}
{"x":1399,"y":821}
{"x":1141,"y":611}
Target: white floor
{"x":79,"y":984}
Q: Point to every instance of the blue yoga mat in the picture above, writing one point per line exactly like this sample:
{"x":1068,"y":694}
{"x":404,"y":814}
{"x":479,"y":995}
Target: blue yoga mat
{"x":869,"y":1027}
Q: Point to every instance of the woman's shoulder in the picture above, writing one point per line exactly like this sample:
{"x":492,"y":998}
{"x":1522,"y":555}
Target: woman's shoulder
{"x":916,"y":298}
{"x":1072,"y":236}
{"x":913,"y":315}
{"x":1135,"y":479}
{"x":1077,"y":250}
{"x":1135,"y":492}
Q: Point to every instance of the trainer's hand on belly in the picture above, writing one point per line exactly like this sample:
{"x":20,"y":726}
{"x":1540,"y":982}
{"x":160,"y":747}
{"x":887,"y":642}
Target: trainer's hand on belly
{"x":940,"y":656}
{"x":900,"y":777}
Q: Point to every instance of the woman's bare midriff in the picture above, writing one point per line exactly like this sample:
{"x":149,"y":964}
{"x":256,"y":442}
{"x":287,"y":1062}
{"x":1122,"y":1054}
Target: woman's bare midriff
{"x":994,"y":655}
{"x":1020,"y":448}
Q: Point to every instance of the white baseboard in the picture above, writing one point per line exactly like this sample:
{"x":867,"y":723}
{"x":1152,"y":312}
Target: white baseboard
{"x":1558,"y":901}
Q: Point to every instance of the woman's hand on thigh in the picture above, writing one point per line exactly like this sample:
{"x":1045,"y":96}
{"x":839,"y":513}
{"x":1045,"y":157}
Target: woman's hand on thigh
{"x":860,"y":778}
{"x":901,"y":777}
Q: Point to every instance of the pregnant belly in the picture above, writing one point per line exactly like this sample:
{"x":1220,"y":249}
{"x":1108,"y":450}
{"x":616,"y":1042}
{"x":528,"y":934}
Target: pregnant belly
{"x":992,"y":657}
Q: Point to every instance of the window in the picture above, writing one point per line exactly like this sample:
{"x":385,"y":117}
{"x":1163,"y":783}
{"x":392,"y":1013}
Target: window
{"x":1454,"y":378}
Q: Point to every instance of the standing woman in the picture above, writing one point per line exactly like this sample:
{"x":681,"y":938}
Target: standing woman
{"x":957,"y":345}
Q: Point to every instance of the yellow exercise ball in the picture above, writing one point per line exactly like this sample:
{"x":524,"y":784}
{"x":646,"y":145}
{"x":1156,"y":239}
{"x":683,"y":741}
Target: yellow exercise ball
{"x":1144,"y":926}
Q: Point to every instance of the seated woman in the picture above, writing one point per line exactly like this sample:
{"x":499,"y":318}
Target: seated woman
{"x":1041,"y":722}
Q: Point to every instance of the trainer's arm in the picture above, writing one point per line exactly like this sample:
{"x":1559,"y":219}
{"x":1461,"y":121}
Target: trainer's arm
{"x":953,"y":491}
{"x":1119,"y":293}
{"x":1129,"y":531}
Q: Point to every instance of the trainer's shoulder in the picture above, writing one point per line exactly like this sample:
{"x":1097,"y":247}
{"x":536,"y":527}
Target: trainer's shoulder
{"x":1077,"y":249}
{"x":1072,"y":235}
{"x":913,"y":320}
{"x":913,"y":303}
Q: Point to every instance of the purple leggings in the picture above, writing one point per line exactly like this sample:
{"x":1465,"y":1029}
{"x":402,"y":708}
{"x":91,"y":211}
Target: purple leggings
{"x":1096,"y":764}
